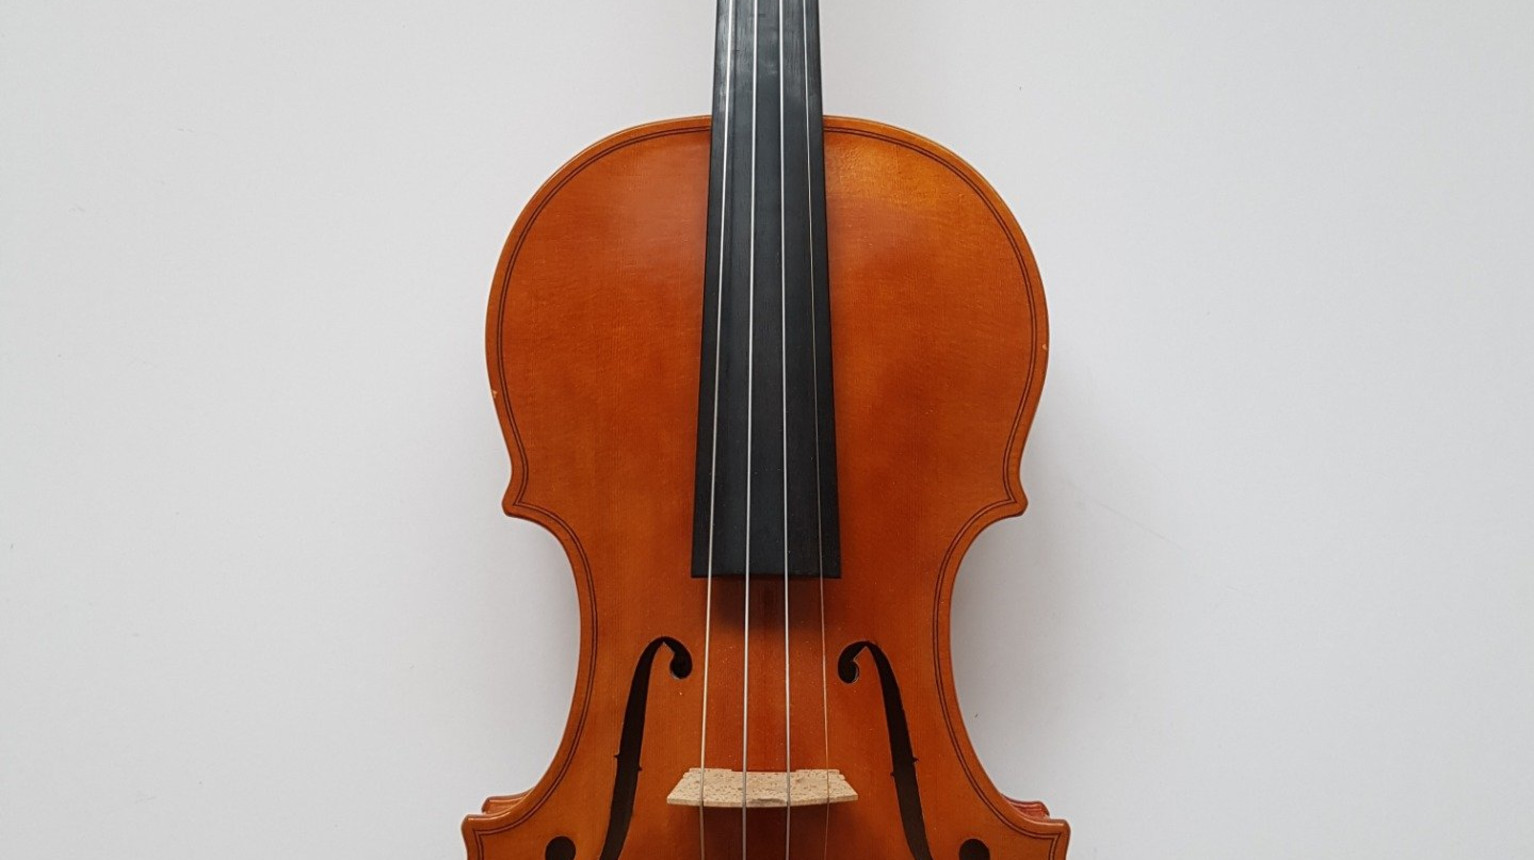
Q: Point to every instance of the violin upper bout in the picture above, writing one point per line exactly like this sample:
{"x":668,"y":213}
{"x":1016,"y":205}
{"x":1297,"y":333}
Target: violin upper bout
{"x":939,"y":336}
{"x":595,"y":301}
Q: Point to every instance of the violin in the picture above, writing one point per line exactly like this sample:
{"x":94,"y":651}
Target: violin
{"x":765,"y":375}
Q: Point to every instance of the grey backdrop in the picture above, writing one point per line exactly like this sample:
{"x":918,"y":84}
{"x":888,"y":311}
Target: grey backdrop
{"x":1273,"y":597}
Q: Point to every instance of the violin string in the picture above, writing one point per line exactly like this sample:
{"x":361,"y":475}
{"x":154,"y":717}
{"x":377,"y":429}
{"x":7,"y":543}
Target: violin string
{"x":788,"y":709}
{"x":745,"y":675}
{"x":713,"y":473}
{"x":820,"y":564}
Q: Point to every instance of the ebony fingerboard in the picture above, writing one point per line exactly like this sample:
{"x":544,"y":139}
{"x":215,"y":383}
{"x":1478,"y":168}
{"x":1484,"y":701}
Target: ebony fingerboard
{"x":766,"y":467}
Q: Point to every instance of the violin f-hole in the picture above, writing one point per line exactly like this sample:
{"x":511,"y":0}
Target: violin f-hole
{"x":902,"y":757}
{"x":631,"y":742}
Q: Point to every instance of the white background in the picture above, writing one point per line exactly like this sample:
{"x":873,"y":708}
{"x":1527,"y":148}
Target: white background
{"x":1274,"y":594}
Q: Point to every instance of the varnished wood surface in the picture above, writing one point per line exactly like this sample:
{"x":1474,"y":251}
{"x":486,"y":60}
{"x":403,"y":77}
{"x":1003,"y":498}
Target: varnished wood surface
{"x":939,"y":342}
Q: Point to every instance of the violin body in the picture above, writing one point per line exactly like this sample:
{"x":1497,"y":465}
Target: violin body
{"x":940,"y":343}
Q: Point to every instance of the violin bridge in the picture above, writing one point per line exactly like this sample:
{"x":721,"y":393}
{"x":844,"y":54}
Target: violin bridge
{"x":722,"y":788}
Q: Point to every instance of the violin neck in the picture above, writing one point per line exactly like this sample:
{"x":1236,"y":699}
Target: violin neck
{"x":765,"y":498}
